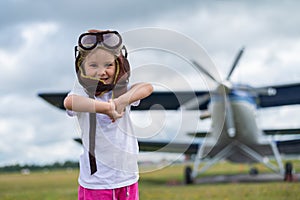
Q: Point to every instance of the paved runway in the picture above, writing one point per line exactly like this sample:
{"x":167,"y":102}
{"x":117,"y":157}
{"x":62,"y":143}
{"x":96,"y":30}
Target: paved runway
{"x":239,"y":178}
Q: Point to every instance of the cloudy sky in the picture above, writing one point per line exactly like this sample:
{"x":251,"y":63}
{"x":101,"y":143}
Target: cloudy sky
{"x":36,"y":55}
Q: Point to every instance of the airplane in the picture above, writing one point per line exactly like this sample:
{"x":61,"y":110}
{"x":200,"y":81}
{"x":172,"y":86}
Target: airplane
{"x":234,"y":134}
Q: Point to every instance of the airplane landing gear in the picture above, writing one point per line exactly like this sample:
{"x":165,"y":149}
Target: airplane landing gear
{"x":253,"y":171}
{"x":288,"y":174}
{"x":188,"y":179}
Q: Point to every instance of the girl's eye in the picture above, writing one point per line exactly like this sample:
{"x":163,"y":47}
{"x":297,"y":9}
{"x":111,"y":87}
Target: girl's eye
{"x":108,"y":64}
{"x":93,"y":65}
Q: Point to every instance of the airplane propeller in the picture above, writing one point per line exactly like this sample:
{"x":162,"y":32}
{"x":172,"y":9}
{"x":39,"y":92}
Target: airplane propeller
{"x":229,"y":118}
{"x":223,"y":89}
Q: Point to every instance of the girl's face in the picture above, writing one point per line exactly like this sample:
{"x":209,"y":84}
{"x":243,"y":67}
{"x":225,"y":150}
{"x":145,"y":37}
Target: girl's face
{"x":100,"y":64}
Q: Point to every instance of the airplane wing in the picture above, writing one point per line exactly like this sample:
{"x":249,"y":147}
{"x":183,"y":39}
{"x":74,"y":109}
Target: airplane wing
{"x":169,"y":147}
{"x":170,"y":100}
{"x":285,"y":95}
{"x":55,"y":99}
{"x":289,"y":146}
{"x":282,"y":131}
{"x":285,"y":147}
{"x":156,"y":101}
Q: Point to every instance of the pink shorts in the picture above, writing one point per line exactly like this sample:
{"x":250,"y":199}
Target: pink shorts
{"x":125,"y":193}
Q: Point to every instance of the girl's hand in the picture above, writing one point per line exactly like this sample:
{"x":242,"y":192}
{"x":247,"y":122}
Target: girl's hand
{"x":120,"y":105}
{"x":113,"y":113}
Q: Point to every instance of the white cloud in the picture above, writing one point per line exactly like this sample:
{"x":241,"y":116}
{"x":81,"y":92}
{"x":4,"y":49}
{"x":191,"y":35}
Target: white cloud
{"x":29,"y":131}
{"x":33,"y":37}
{"x":270,"y":65}
{"x":26,"y":67}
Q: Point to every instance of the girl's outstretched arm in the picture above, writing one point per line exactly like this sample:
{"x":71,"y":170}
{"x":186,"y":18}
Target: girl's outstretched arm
{"x":136,"y":92}
{"x":84,"y":104}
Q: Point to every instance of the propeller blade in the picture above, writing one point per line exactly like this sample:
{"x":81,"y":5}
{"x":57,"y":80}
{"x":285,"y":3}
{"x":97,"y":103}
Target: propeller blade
{"x":203,"y":70}
{"x":229,"y":120}
{"x":235,"y":62}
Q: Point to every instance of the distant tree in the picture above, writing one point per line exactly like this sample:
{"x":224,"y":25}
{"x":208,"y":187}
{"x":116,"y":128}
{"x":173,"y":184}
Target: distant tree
{"x":54,"y":166}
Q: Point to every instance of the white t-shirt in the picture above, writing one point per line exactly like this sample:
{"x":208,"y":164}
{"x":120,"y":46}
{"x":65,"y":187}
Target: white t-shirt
{"x":116,"y":148}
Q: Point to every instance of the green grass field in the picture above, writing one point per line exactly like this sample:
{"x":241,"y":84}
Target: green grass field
{"x":164,"y":184}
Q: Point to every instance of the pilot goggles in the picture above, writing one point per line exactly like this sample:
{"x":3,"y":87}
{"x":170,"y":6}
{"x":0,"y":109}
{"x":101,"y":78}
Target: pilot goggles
{"x":109,"y":39}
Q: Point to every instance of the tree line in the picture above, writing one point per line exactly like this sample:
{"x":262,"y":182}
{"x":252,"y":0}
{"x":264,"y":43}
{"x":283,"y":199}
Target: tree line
{"x":33,"y":167}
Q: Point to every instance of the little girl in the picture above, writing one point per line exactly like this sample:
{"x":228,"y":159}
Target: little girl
{"x":101,"y":101}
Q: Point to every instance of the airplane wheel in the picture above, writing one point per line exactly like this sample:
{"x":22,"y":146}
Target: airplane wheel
{"x":288,"y":174}
{"x":253,"y":171}
{"x":188,"y":175}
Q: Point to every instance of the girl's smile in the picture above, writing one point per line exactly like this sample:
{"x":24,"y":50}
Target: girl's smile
{"x":100,"y":64}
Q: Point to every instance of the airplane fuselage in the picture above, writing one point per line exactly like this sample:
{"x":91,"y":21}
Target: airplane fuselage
{"x":244,"y":117}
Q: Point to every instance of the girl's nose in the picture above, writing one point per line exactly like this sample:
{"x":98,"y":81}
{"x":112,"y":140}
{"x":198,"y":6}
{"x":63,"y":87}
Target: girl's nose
{"x":101,"y":71}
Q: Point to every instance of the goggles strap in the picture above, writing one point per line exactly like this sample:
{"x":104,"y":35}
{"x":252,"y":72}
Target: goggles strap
{"x":92,"y":138}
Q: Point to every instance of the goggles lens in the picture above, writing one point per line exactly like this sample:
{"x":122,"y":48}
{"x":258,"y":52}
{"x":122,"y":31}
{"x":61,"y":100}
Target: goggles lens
{"x":110,"y":39}
{"x":88,"y":41}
